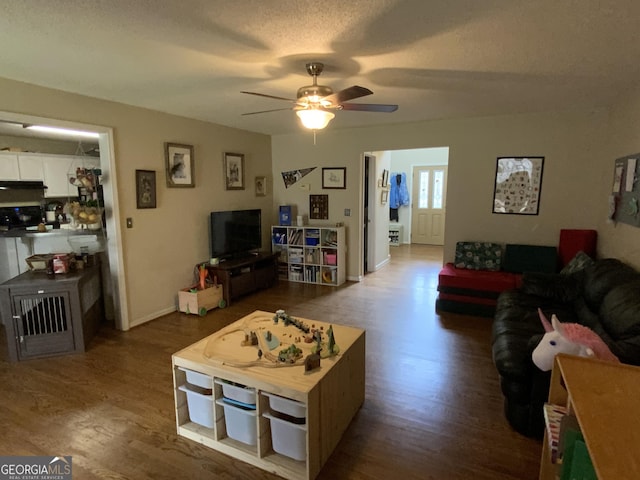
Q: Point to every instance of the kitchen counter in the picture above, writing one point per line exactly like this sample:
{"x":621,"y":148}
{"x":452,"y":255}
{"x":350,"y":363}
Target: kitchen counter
{"x":58,"y":232}
{"x":17,"y":245}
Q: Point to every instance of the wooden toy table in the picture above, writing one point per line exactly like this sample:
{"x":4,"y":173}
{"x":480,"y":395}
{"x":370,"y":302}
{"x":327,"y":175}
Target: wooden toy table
{"x":332,"y":393}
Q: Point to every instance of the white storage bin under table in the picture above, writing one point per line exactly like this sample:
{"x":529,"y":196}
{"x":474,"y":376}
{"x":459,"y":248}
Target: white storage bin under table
{"x":290,"y":447}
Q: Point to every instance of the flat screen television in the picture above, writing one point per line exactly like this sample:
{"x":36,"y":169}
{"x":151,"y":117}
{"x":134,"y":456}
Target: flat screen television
{"x":235,"y":233}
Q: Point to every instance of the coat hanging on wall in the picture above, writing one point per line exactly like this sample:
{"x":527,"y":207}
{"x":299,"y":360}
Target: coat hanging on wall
{"x":398,"y":194}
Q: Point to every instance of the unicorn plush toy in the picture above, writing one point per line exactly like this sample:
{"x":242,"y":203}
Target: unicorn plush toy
{"x":571,"y":338}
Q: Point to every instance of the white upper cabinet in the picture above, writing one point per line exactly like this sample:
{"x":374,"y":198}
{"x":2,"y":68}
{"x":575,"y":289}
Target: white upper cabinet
{"x":9,"y":169}
{"x":53,"y":170}
{"x":30,"y":168}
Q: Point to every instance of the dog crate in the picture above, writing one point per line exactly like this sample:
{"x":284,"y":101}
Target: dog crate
{"x":51,"y":315}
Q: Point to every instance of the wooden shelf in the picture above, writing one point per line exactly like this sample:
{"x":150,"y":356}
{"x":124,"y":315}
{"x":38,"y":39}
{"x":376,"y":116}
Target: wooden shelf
{"x":310,"y":254}
{"x":245,"y":275}
{"x":604,"y":398}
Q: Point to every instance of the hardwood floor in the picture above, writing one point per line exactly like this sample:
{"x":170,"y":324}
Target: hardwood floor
{"x":433,"y":407}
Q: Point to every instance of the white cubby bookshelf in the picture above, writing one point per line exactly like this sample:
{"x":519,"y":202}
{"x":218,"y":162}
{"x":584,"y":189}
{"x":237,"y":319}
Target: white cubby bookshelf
{"x":310,"y":254}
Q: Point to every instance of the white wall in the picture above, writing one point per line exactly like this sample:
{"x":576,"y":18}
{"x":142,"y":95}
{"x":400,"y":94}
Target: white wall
{"x":572,"y":143}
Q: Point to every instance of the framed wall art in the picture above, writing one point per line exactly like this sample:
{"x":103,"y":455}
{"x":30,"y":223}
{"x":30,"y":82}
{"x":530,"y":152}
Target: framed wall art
{"x":234,"y":171}
{"x":261,"y":186}
{"x":517,"y":185}
{"x":319,"y":207}
{"x":145,"y":189}
{"x":334,"y":177}
{"x":179,"y":163}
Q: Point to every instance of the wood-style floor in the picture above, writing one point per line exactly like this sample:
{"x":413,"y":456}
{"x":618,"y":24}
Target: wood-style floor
{"x":433,"y":408}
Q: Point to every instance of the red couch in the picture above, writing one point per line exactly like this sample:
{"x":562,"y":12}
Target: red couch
{"x":474,"y":291}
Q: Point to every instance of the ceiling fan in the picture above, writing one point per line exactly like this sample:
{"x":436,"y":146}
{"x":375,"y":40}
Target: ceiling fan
{"x":313,"y":103}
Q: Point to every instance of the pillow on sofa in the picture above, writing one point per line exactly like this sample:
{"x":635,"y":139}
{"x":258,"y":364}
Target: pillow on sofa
{"x":478,"y":256}
{"x":530,"y":258}
{"x":577,"y":263}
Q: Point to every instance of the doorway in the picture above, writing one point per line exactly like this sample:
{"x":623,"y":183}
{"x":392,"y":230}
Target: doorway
{"x":116,"y":291}
{"x":378,"y":227}
{"x":428,"y":207}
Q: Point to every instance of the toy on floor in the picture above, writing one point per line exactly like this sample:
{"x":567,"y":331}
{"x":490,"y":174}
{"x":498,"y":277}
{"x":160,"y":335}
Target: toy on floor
{"x":571,"y":338}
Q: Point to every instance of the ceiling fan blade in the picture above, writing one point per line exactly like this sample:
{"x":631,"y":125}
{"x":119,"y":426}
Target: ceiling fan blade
{"x":347,"y":94}
{"x":270,"y":96}
{"x":369,"y":107}
{"x":267,"y":111}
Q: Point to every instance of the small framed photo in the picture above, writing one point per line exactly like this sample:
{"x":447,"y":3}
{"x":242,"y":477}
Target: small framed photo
{"x":261,"y":186}
{"x":385,"y":178}
{"x":384,"y":197}
{"x":334,"y":177}
{"x":145,"y":189}
{"x":179,"y":159}
{"x":234,"y":171}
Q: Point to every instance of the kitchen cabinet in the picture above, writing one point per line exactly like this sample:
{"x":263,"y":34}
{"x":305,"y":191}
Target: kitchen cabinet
{"x":53,"y":170}
{"x":9,"y":169}
{"x":30,"y":168}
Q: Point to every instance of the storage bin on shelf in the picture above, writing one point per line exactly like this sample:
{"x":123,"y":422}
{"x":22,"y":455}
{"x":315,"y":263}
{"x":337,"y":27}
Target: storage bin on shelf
{"x":197,"y":378}
{"x":240,"y":422}
{"x":286,"y":406}
{"x":288,"y":426}
{"x":199,"y":397}
{"x":287,"y":438}
{"x":237,"y":392}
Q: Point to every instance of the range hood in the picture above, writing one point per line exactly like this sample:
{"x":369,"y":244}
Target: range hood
{"x":21,"y":185}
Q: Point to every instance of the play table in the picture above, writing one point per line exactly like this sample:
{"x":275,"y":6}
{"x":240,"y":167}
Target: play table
{"x":328,"y":396}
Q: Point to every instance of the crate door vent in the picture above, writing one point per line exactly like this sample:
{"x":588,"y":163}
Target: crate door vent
{"x":45,"y":325}
{"x":43,"y":315}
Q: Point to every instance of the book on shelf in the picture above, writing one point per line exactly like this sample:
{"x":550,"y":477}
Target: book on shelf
{"x":553,"y":415}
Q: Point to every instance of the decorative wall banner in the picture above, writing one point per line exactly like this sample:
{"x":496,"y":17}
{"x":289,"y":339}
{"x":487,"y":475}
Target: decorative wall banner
{"x":517,"y":185}
{"x":293,"y":176}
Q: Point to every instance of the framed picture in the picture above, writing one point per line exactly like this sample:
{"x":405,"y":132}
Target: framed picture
{"x":384,"y":197}
{"x":334,"y":177}
{"x":234,"y":171}
{"x":179,"y":160}
{"x":145,"y":189}
{"x":385,"y":178}
{"x":517,"y":185}
{"x":261,"y":186}
{"x":319,"y":207}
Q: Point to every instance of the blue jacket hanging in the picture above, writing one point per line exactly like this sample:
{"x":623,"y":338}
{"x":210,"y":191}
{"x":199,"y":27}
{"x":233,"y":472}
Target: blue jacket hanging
{"x":399,"y":194}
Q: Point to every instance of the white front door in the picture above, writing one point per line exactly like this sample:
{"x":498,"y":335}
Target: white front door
{"x":428,"y":204}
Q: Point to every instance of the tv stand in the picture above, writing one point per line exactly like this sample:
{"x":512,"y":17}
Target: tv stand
{"x":240,"y":276}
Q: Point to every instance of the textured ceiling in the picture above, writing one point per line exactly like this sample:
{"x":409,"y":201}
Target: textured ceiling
{"x":435,"y":59}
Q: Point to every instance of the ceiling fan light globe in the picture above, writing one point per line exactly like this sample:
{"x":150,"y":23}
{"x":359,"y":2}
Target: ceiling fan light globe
{"x":315,"y":119}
